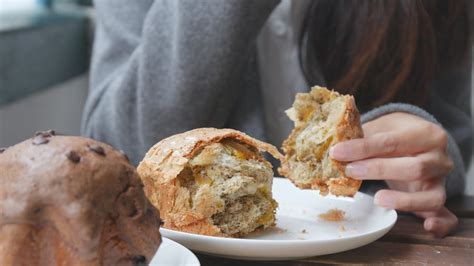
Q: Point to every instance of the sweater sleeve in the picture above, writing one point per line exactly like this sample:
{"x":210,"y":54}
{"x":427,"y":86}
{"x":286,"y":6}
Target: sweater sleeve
{"x":163,"y":67}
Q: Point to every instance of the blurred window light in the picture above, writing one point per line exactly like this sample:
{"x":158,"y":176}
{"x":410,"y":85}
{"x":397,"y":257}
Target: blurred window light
{"x":7,"y":6}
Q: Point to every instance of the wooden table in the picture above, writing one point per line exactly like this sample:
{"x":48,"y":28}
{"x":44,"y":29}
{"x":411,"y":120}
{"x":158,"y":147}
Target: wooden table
{"x":406,"y":243}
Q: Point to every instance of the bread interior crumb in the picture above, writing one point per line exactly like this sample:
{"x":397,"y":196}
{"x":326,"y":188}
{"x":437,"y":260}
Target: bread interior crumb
{"x":315,"y":115}
{"x":230,"y":182}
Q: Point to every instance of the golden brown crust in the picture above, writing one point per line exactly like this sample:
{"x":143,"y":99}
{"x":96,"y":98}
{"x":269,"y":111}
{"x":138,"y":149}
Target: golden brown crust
{"x":72,"y":201}
{"x":347,"y":127}
{"x":166,"y":160}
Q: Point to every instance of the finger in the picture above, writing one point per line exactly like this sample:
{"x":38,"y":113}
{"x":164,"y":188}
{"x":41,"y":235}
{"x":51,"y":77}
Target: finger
{"x":420,"y":167}
{"x":398,"y":121}
{"x":421,"y":201}
{"x":439,"y":223}
{"x":393,"y":143}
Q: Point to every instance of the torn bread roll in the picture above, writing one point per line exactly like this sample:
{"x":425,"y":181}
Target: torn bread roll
{"x":322,"y":118}
{"x":211,"y":181}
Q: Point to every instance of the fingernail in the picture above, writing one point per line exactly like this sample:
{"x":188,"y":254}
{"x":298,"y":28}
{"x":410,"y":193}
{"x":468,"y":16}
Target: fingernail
{"x":356,"y":170}
{"x":386,"y":201}
{"x":429,"y":225}
{"x":338,"y":152}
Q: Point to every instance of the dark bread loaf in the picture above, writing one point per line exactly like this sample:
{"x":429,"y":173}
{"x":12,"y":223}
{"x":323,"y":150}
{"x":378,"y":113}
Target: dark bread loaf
{"x":73,"y":201}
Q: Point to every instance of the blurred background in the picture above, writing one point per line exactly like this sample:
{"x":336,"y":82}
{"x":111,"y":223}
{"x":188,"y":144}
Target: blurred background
{"x":45,"y":47}
{"x":44,"y":59}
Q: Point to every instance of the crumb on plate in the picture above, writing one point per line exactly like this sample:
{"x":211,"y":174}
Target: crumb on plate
{"x":332,"y":215}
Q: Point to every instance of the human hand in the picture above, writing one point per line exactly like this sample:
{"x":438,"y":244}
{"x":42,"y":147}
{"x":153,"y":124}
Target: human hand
{"x":410,"y":154}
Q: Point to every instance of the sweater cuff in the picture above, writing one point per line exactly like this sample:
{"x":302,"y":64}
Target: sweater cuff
{"x":397,"y":107}
{"x":455,"y":180}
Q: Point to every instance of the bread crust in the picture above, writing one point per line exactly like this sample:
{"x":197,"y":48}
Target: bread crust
{"x":73,"y":201}
{"x":347,"y":127}
{"x":163,"y":163}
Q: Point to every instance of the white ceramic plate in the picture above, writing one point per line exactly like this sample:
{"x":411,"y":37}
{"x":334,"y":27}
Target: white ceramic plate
{"x":172,"y":253}
{"x":299,"y":231}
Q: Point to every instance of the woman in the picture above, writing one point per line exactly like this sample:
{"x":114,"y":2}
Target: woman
{"x":163,"y":67}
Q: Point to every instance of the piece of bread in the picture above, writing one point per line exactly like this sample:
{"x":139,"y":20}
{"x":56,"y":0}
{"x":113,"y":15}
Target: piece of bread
{"x":73,"y":201}
{"x":211,"y":181}
{"x":322,"y":118}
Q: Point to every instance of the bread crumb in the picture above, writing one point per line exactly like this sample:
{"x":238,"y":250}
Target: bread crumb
{"x":333,"y":215}
{"x":281,"y":231}
{"x":342,"y":228}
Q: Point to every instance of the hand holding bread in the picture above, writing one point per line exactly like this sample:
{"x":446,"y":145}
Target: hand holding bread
{"x":410,"y":153}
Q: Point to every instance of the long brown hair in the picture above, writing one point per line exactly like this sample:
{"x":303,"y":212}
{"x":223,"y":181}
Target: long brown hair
{"x":383,"y":50}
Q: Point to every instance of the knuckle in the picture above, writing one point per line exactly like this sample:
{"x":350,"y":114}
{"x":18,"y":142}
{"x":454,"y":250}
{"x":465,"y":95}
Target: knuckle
{"x":443,"y":139}
{"x":365,"y":147}
{"x":377,"y":169}
{"x":389,"y":143}
{"x":443,"y":198}
{"x":428,"y":127}
{"x":439,"y":200}
{"x":449,"y":164}
{"x":455,"y":221}
{"x":439,"y":135}
{"x":419,"y":169}
{"x":407,"y":204}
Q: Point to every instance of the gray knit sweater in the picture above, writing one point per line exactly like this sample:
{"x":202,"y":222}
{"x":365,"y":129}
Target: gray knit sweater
{"x":164,"y":67}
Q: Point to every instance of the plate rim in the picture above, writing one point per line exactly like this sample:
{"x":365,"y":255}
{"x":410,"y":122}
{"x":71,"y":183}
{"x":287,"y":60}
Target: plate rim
{"x":299,"y":246}
{"x":180,"y":246}
{"x":391,"y":212}
{"x":282,"y":241}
